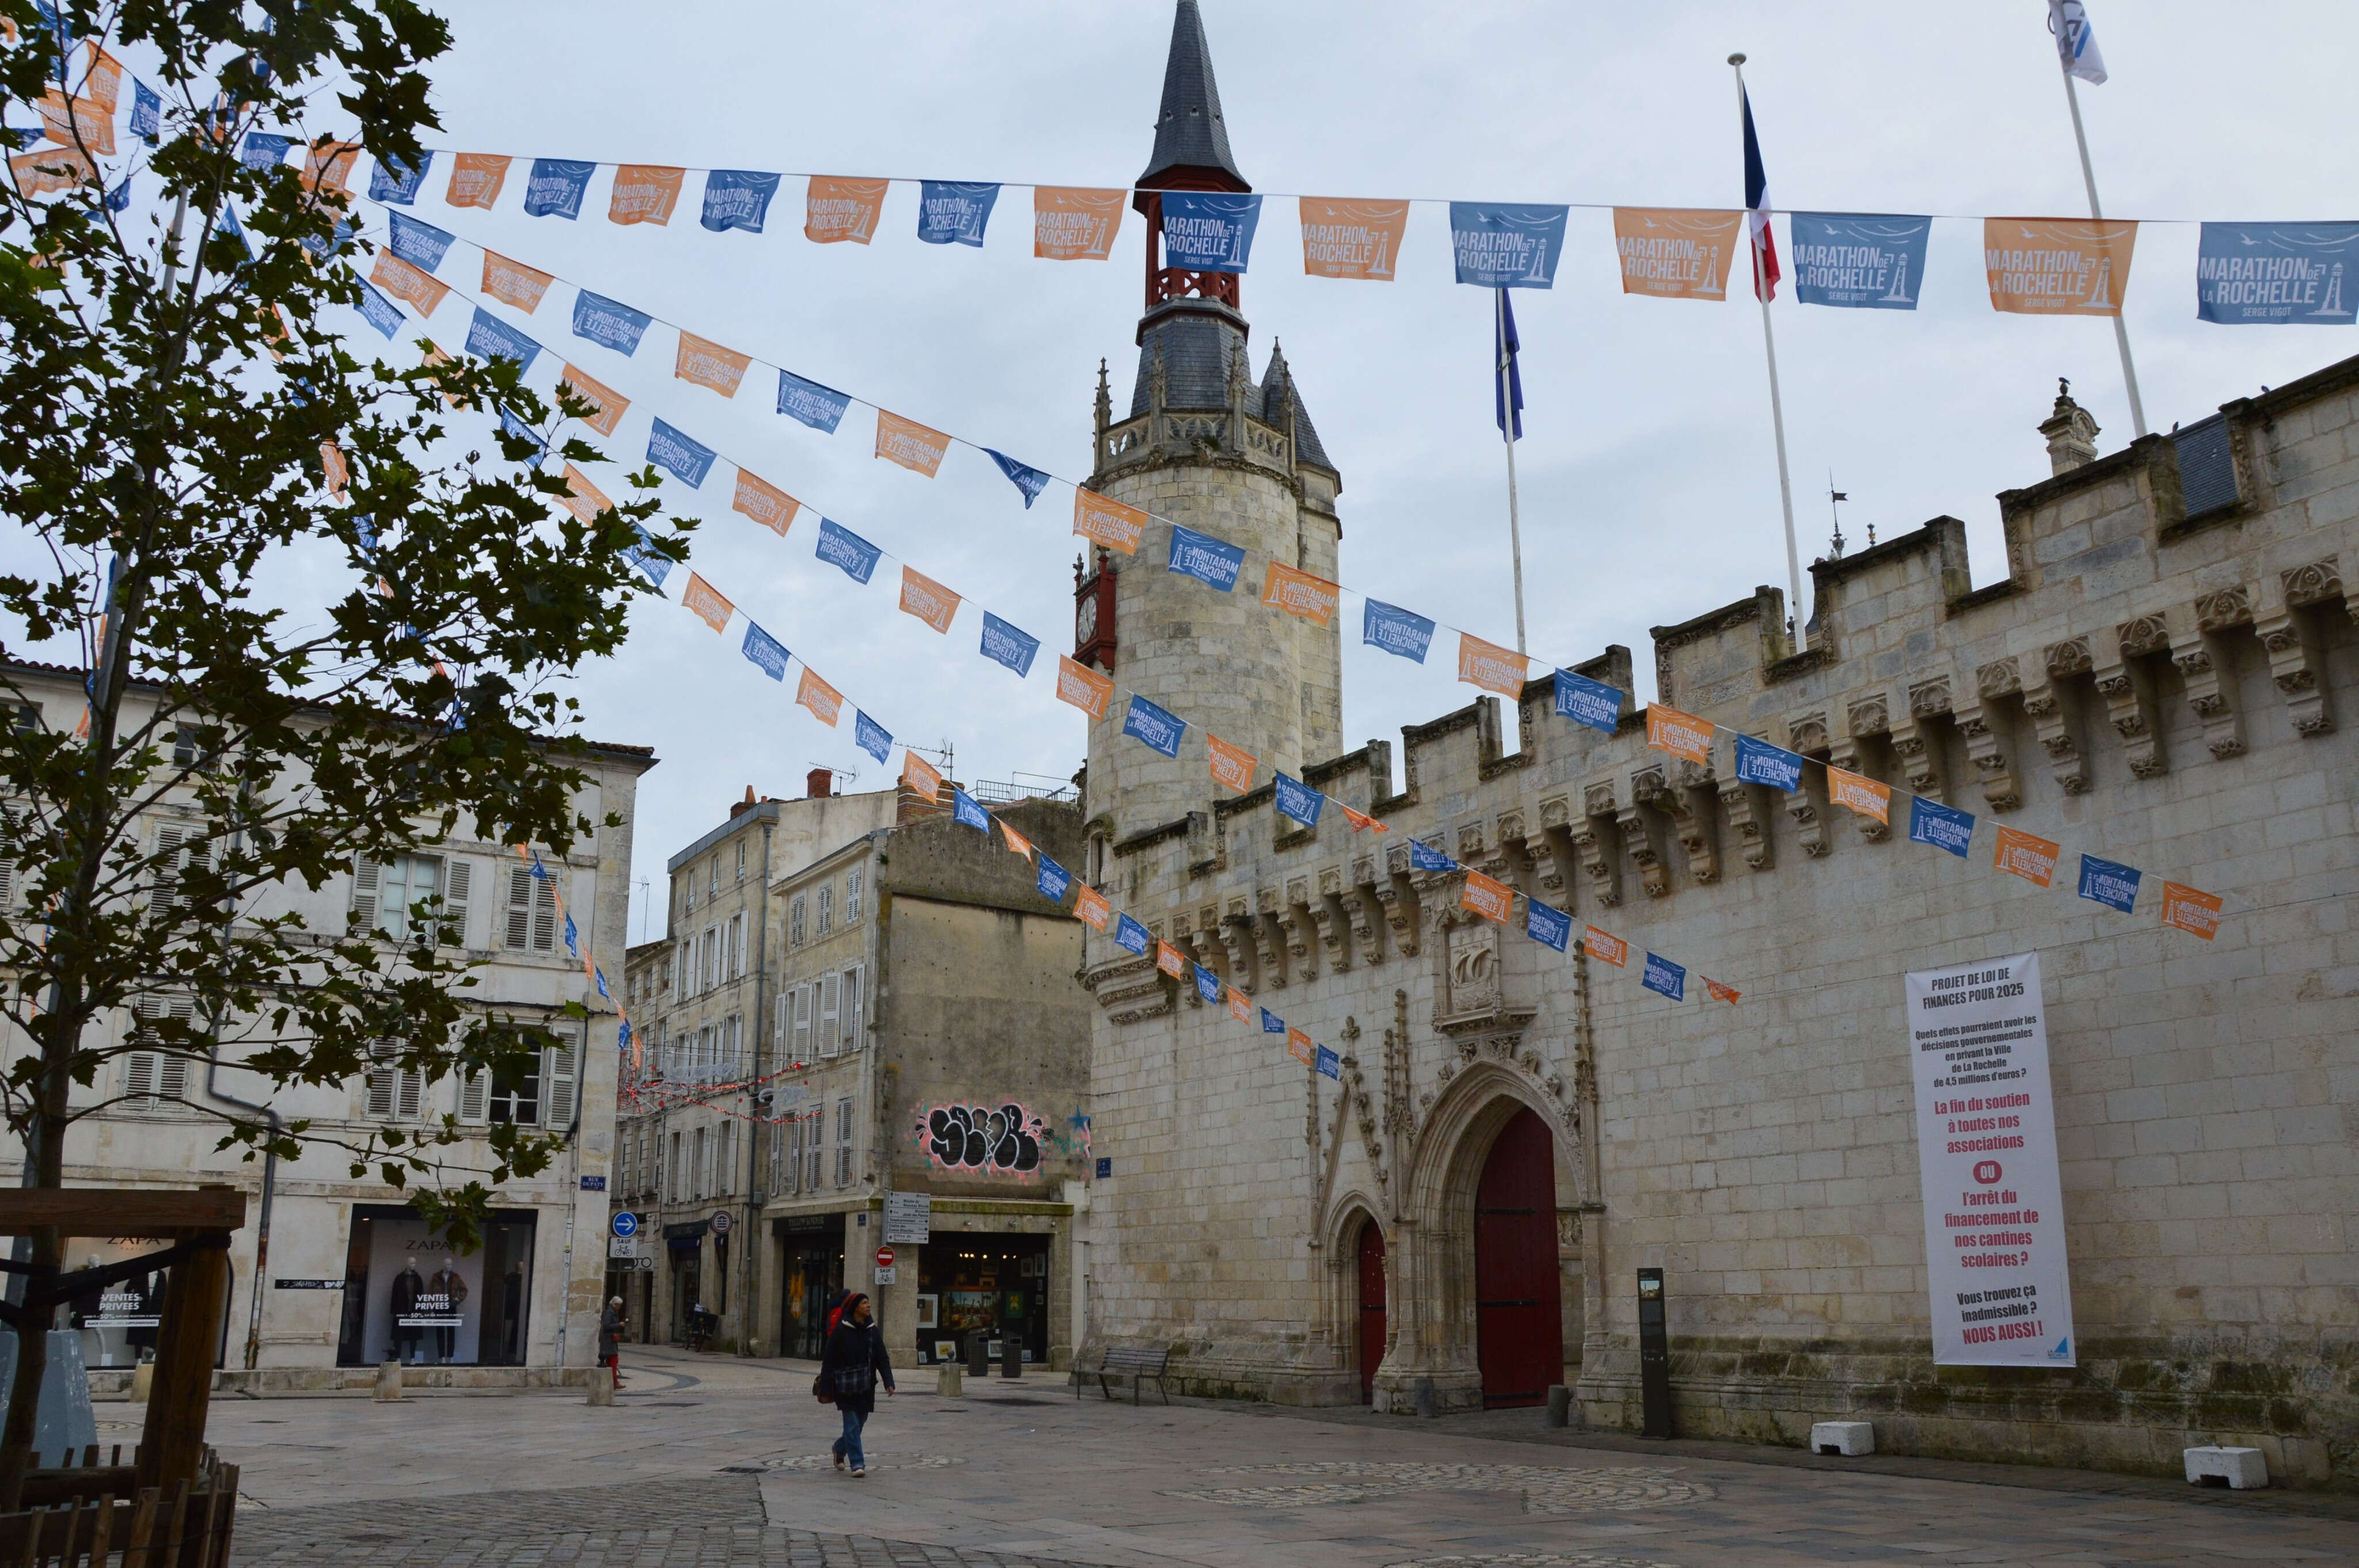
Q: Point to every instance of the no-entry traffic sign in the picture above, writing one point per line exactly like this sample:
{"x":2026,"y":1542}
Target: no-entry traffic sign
{"x":884,"y":1257}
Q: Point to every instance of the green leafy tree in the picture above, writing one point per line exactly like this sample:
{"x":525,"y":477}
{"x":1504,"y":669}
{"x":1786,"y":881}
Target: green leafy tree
{"x":315,"y":678}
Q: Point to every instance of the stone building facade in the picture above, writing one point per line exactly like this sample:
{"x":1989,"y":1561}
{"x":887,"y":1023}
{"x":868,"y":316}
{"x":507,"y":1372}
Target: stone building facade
{"x":2155,"y":680}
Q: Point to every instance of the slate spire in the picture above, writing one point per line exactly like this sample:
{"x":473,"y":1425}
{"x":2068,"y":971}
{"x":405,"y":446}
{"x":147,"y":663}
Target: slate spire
{"x":1189,"y":131}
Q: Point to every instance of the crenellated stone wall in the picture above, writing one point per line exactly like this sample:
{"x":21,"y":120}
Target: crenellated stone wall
{"x":2155,"y":688}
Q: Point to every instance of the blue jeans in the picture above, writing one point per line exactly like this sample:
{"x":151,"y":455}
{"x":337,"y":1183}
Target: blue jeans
{"x":847,"y":1447}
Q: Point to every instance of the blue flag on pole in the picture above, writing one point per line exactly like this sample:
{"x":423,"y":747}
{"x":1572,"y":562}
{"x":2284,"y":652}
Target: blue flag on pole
{"x":841,"y":547}
{"x":737,"y":199}
{"x":1208,"y":231}
{"x":1205,"y":558}
{"x":1023,"y":476}
{"x":2109,"y":882}
{"x":964,"y":809}
{"x":391,"y":180}
{"x":765,"y":651}
{"x":1008,"y":644}
{"x":380,"y":312}
{"x":2278,"y":275}
{"x":1502,"y":244}
{"x":1331,"y":1064}
{"x":1054,"y":881}
{"x":554,"y":187}
{"x":686,"y":459}
{"x":1129,"y":935}
{"x":422,"y":245}
{"x":490,"y":338}
{"x":1860,"y":261}
{"x":820,"y":408}
{"x":1506,"y":375}
{"x":1424,"y":857}
{"x":870,"y":735}
{"x":1152,"y":724}
{"x":1664,"y":977}
{"x":148,"y":116}
{"x":1548,"y":928}
{"x":952,"y":213}
{"x":609,"y":323}
{"x":1943,"y":826}
{"x":1298,"y":800}
{"x":1402,"y":633}
{"x":1585,"y":701}
{"x":1757,"y":762}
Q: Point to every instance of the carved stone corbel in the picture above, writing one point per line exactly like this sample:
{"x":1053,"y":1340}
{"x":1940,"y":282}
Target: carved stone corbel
{"x":1597,"y":839}
{"x":1847,"y":754}
{"x":1327,"y":915}
{"x":1806,"y":806}
{"x":1653,"y":874}
{"x":1398,"y":899}
{"x":1294,"y":920}
{"x":2294,"y":664}
{"x":2203,"y":663}
{"x":2128,"y":690}
{"x":2051,"y":708}
{"x":1979,"y":722}
{"x":1237,"y":941}
{"x":1269,"y":943}
{"x":1913,"y":738}
{"x":1748,"y":819}
{"x":1550,"y":850}
{"x":1361,"y":909}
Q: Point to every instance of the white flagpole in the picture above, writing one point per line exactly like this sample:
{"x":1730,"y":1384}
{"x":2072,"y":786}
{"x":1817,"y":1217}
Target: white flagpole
{"x":1507,"y":431}
{"x":1777,"y":410}
{"x":2089,"y":178}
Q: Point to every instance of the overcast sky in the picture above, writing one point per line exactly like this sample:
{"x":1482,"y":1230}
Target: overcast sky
{"x":1648,"y":475}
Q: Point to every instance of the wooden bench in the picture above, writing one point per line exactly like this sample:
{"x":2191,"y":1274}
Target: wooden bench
{"x":1138,"y":1363}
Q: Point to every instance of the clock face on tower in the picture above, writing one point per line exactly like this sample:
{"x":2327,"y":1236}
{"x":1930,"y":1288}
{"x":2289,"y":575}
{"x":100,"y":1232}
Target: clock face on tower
{"x":1085,"y":621}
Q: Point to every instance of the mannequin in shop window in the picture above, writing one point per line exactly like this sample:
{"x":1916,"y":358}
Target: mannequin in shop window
{"x":512,"y":1314}
{"x":408,"y":1286}
{"x":447,"y":1285}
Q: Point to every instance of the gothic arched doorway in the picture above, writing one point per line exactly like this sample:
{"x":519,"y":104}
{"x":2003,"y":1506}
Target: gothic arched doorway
{"x":1372,"y":1307}
{"x":1519,"y":1325}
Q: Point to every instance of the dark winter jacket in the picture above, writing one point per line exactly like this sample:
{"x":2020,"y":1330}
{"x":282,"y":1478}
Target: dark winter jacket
{"x":853,"y":1362}
{"x":610,"y":1332}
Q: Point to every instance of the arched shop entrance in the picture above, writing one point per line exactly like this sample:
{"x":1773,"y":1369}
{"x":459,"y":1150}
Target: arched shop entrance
{"x":1372,"y":1306}
{"x":1520,"y":1327}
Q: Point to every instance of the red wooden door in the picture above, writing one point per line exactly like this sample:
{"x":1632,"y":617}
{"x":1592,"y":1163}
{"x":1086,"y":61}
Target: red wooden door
{"x":1518,"y":1328}
{"x":1371,"y":1308}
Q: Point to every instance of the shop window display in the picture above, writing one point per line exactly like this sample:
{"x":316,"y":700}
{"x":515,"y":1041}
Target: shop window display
{"x":986,"y":1287}
{"x":410,"y":1296}
{"x":119,"y":1323}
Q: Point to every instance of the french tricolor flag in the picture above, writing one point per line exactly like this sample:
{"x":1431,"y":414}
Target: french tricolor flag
{"x":1756,"y":201}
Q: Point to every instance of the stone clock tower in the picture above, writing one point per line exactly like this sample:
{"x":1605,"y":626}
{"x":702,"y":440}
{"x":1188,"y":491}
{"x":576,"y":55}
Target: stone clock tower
{"x":1207,"y":446}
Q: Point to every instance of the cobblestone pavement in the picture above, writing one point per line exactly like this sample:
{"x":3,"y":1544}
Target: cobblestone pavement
{"x":711,"y":1460}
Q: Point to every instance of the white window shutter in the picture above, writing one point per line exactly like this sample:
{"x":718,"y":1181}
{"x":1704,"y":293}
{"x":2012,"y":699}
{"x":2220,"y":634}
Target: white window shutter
{"x":852,"y":1034}
{"x":786,"y":1005}
{"x":544,"y":916}
{"x":519,"y":933}
{"x":140,"y":1066}
{"x":679,"y":971}
{"x":802,"y":1024}
{"x":164,"y":892}
{"x":458,"y":883}
{"x":829,"y":1042}
{"x":382,"y":1091}
{"x":368,"y":878}
{"x":557,"y":1088}
{"x":474,"y":1097}
{"x":413,"y":1093}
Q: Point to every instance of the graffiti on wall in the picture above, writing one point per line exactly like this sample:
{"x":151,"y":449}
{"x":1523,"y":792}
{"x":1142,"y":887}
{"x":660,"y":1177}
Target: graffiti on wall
{"x":986,"y":1140}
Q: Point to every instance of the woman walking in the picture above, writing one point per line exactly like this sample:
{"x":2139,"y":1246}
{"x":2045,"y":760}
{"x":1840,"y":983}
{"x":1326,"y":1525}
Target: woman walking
{"x":853,"y":1362}
{"x":611,"y":1324}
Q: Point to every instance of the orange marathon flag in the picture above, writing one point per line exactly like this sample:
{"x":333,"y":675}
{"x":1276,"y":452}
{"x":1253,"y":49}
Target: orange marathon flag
{"x":707,"y":363}
{"x":2027,"y":855}
{"x":513,"y":283}
{"x":1082,"y":686}
{"x":1681,"y":734}
{"x":926,"y":600}
{"x":331,"y":463}
{"x":1241,"y":1006}
{"x":710,"y":606}
{"x":1107,"y":521}
{"x":47,"y":169}
{"x":103,"y":80}
{"x":1674,"y":253}
{"x":1604,"y":945}
{"x":1488,"y":897}
{"x":583,"y":498}
{"x":836,"y":209}
{"x":1017,"y":842}
{"x":328,"y":164}
{"x":825,"y":702}
{"x":1092,"y":906}
{"x":607,"y":405}
{"x":476,"y":179}
{"x":84,"y":120}
{"x":765,"y":502}
{"x":921,"y":775}
{"x":1231,"y":765}
{"x":1299,"y":1046}
{"x":1075,"y":223}
{"x":2191,"y":910}
{"x":1721,"y":993}
{"x":1352,"y":238}
{"x":910,"y":444}
{"x":1360,"y":819}
{"x":2058,"y":267}
{"x":1490,"y":667}
{"x":435,"y":358}
{"x":644,"y":193}
{"x":403,"y":281}
{"x":1169,"y":959}
{"x":1307,"y":598}
{"x":1859,"y":792}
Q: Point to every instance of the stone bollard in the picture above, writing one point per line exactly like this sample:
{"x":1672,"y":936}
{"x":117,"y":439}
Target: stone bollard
{"x":143,"y":1378}
{"x":601,"y":1385}
{"x":388,"y":1382}
{"x":1560,"y":1405}
{"x":949,"y":1382}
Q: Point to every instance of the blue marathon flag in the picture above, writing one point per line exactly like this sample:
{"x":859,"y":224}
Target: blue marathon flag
{"x":1943,"y":826}
{"x":422,"y":245}
{"x":1008,"y":644}
{"x":952,"y":213}
{"x":554,"y":187}
{"x":841,"y":547}
{"x":820,"y":408}
{"x":1129,"y":935}
{"x":684,"y":458}
{"x":1757,"y":762}
{"x":870,"y":735}
{"x":964,"y":809}
{"x":1054,"y":881}
{"x":1152,"y":724}
{"x":2278,"y":275}
{"x":1860,"y":261}
{"x":1396,"y":631}
{"x":647,"y":558}
{"x":2109,"y":882}
{"x":119,"y":199}
{"x":737,"y":199}
{"x":227,"y":226}
{"x":490,"y":338}
{"x":1424,"y":857}
{"x":392,"y":180}
{"x":1208,"y":984}
{"x":1506,"y":375}
{"x":515,"y":425}
{"x":1502,"y":244}
{"x":1208,"y":231}
{"x":1546,"y":926}
{"x":765,"y":652}
{"x":147,"y":120}
{"x":263,"y":151}
{"x":1023,"y":476}
{"x":1271,"y":1024}
{"x":381,"y":313}
{"x":1585,"y":701}
{"x":1664,"y":977}
{"x":1298,"y":800}
{"x":609,"y":323}
{"x":1331,"y":1064}
{"x":1205,"y":558}
{"x":573,"y":937}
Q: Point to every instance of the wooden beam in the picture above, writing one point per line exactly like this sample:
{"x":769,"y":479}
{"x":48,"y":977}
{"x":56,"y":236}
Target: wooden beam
{"x":145,"y":1214}
{"x":196,"y":1299}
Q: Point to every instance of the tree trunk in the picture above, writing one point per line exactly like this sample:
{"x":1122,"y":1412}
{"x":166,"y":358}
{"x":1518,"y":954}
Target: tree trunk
{"x":45,"y":1150}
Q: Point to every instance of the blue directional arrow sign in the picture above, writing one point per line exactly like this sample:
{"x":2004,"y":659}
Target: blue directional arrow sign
{"x":625,"y":1223}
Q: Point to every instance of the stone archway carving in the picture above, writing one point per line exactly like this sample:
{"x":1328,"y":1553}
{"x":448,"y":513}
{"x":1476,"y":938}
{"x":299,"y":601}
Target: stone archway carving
{"x":1340,"y":1299}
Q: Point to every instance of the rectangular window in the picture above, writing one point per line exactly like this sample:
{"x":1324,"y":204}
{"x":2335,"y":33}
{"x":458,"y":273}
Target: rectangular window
{"x":531,"y":924}
{"x":826,"y":908}
{"x":794,"y":922}
{"x":713,"y":889}
{"x":387,"y":894}
{"x":395,"y":1093}
{"x":831,"y":1041}
{"x":516,"y":1094}
{"x":802,"y":1051}
{"x":853,"y":1032}
{"x":741,"y":862}
{"x":844,"y":1143}
{"x":684,"y":969}
{"x":815,"y":1150}
{"x":179,"y":846}
{"x":785,"y":1023}
{"x":155,"y":1076}
{"x":851,"y":881}
{"x":696,"y":1166}
{"x":688,"y":894}
{"x":671,"y":1187}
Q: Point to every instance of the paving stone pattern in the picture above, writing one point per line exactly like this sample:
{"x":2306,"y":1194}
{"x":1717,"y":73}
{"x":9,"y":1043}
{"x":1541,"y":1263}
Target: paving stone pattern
{"x":1544,"y":1488}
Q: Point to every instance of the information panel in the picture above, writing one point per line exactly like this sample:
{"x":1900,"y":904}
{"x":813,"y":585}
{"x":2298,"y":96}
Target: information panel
{"x":1994,"y":1265}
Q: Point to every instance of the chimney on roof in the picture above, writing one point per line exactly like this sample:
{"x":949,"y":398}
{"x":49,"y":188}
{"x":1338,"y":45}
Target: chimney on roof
{"x":818,"y":784}
{"x":2071,"y":433}
{"x":744,"y":804}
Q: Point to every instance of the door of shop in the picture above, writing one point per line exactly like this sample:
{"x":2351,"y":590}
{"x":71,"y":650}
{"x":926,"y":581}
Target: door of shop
{"x":811,"y":1271}
{"x":1518,"y":1328}
{"x":1372,"y":1307}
